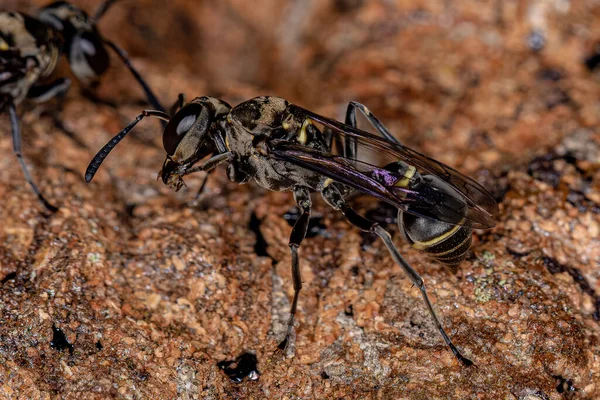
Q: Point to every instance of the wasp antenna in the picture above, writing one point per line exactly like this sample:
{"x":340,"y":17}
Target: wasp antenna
{"x":178,"y":105}
{"x":125,"y":58}
{"x":103,"y":153}
{"x":102,"y":9}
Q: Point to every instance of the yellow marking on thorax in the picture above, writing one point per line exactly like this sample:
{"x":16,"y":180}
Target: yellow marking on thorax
{"x":303,"y":136}
{"x":327,"y":182}
{"x":408,"y":175}
{"x":3,"y":45}
{"x":229,"y":121}
{"x":441,"y":238}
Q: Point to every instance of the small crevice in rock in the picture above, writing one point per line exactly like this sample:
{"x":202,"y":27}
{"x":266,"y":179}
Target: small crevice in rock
{"x":316,"y":227}
{"x":260,"y":247}
{"x":8,"y":277}
{"x":244,"y":366}
{"x":564,"y":385}
{"x":554,"y":267}
{"x":59,"y":340}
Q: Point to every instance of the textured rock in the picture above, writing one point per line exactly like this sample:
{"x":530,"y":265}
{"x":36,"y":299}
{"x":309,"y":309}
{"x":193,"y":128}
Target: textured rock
{"x":132,"y":291}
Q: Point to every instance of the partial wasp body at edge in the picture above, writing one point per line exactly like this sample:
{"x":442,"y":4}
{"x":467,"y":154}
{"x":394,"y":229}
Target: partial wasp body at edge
{"x":30,"y":48}
{"x":279,"y":145}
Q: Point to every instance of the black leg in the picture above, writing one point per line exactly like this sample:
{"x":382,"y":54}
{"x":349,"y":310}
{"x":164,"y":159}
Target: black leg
{"x":377,"y":124}
{"x":302,"y":197}
{"x":210,"y":164}
{"x":56,"y":89}
{"x":203,"y":184}
{"x":350,"y":148}
{"x":335,"y":199}
{"x":328,"y":137}
{"x":44,"y":92}
{"x":102,"y":9}
{"x":149,"y":94}
{"x":16,"y":136}
{"x":350,"y":144}
{"x":178,"y":104}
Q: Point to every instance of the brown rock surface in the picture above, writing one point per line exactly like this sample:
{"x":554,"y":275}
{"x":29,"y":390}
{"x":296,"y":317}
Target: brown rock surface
{"x":152,"y":289}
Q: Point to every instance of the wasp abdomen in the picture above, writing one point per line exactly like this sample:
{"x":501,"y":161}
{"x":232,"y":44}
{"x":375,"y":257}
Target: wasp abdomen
{"x":445,"y":242}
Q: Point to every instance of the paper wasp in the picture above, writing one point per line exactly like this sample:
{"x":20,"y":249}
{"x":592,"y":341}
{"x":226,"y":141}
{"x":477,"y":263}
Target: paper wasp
{"x":30,"y":48}
{"x":279,"y":145}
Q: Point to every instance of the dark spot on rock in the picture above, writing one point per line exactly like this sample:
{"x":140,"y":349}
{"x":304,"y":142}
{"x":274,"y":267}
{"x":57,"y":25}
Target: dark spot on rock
{"x":349,"y":311}
{"x":129,"y":209}
{"x":497,"y":184}
{"x":8,"y":277}
{"x":315,"y":225}
{"x":554,"y":267}
{"x":59,"y":340}
{"x":141,"y":376}
{"x":244,"y":366}
{"x":583,"y":204}
{"x":542,"y":169}
{"x":324,"y":375}
{"x":355,"y":270}
{"x":550,"y":74}
{"x":384,"y":214}
{"x":564,"y":385}
{"x":260,"y":247}
{"x":345,"y":6}
{"x":99,"y":345}
{"x":592,"y":61}
{"x":557,"y":97}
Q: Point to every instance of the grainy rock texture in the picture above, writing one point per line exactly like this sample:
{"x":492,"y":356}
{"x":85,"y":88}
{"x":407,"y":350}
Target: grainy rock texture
{"x":133,"y":291}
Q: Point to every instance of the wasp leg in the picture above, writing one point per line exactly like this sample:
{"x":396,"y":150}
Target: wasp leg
{"x":335,"y":199}
{"x":328,"y":137}
{"x":102,"y":9}
{"x":178,"y":104}
{"x":16,"y":136}
{"x":125,"y":58}
{"x":45,"y":92}
{"x":203,"y":184}
{"x":211,"y":163}
{"x":377,"y":124}
{"x":350,"y":144}
{"x":56,"y":89}
{"x":302,"y":197}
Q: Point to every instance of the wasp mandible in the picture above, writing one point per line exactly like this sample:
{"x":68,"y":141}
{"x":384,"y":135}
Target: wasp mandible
{"x":30,"y":48}
{"x":279,"y":145}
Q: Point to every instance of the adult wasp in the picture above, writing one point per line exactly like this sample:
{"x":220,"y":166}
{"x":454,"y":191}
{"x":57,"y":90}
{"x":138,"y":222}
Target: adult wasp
{"x":30,"y":47}
{"x":281,"y":147}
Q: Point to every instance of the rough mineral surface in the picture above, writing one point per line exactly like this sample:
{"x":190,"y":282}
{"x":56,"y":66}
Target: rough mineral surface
{"x":134,"y":291}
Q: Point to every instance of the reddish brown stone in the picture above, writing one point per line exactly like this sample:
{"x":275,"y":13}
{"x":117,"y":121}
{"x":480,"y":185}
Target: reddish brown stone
{"x":153,"y":289}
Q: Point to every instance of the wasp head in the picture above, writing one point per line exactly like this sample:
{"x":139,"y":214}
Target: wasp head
{"x":84,"y":46}
{"x":188,"y":137}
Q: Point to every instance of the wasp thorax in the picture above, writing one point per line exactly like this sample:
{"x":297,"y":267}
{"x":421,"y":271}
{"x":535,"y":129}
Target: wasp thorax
{"x":292,"y":123}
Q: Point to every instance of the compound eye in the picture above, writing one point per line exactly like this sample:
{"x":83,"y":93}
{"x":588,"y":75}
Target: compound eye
{"x":94,"y":52}
{"x":88,"y":57}
{"x":179,"y":126}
